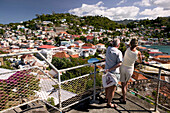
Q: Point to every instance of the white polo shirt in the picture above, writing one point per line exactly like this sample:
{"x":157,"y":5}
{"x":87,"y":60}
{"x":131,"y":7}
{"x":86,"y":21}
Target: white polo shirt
{"x":113,"y":57}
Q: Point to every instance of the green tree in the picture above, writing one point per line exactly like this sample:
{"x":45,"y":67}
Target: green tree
{"x":122,"y":48}
{"x":57,"y":40}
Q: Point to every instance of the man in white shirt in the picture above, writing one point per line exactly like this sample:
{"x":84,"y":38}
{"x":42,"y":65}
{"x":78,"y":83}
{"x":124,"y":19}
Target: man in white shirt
{"x":113,"y":62}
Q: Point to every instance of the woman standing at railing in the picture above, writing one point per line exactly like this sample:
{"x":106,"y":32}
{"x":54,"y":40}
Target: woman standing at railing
{"x":127,"y":67}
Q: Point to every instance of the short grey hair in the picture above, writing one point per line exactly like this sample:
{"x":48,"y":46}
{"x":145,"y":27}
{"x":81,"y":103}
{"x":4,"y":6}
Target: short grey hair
{"x":116,"y":42}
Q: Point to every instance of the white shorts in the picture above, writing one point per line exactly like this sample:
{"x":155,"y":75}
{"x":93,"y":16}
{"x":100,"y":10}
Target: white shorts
{"x":125,"y":73}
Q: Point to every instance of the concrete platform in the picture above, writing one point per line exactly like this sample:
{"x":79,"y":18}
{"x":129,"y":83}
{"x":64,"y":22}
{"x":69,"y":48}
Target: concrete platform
{"x":133,"y":105}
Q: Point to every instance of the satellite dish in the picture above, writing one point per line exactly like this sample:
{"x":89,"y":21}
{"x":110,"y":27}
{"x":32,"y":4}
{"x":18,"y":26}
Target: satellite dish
{"x":92,"y":60}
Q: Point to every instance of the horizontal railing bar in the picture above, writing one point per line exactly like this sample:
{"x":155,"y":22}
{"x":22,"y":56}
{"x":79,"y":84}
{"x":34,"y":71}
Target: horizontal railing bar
{"x":67,"y":69}
{"x":151,"y":77}
{"x":99,"y":61}
{"x":154,"y":66}
{"x":148,"y":99}
{"x":19,"y":105}
{"x":11,"y":71}
{"x":75,"y":78}
{"x":79,"y":66}
{"x":15,"y":54}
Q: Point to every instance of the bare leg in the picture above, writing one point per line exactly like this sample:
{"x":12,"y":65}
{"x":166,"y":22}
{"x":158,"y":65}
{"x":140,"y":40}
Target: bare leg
{"x":111,"y":91}
{"x":124,"y":90}
{"x":106,"y":91}
{"x":110,"y":94}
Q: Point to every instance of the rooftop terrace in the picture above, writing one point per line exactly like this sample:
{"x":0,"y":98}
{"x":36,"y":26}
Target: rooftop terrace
{"x":32,"y":90}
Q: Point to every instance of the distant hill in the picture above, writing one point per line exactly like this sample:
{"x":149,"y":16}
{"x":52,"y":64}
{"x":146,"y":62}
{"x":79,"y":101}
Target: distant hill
{"x":156,"y":23}
{"x":125,"y":22}
{"x":74,"y":23}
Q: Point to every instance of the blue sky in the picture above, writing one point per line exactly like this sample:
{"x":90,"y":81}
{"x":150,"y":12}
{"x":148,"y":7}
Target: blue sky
{"x":23,"y":10}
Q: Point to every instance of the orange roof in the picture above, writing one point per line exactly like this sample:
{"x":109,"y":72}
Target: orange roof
{"x":100,"y":67}
{"x":100,"y":44}
{"x":61,"y":55}
{"x":140,"y":47}
{"x":162,"y":56}
{"x":164,"y":90}
{"x":28,"y":55}
{"x":75,"y":56}
{"x":46,"y":46}
{"x":163,"y":77}
{"x":79,"y":41}
{"x":138,"y":76}
{"x":88,"y":45}
{"x":48,"y":40}
{"x":63,"y":32}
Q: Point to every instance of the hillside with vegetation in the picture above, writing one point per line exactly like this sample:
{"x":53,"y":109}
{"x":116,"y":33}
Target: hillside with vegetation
{"x":157,"y":28}
{"x":73,"y":21}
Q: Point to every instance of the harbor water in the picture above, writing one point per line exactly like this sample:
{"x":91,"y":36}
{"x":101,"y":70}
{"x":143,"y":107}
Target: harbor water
{"x":162,"y":48}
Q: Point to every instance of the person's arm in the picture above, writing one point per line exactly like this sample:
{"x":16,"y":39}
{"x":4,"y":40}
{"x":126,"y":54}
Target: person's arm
{"x":139,"y":57}
{"x":116,"y":66}
{"x":119,"y":60}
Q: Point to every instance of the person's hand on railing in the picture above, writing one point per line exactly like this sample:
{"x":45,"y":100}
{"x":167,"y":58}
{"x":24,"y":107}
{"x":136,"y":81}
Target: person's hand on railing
{"x":106,"y":70}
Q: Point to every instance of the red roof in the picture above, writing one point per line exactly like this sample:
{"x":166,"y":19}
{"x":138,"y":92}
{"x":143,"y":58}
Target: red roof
{"x":86,"y":47}
{"x":138,"y":76}
{"x":46,"y":46}
{"x":77,"y":36}
{"x":162,"y":56}
{"x":61,"y":55}
{"x":154,"y":52}
{"x":79,"y":41}
{"x":75,"y":56}
{"x":89,"y":37}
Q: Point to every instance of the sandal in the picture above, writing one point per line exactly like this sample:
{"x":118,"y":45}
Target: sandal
{"x":105,"y":100}
{"x":122,"y":101}
{"x":121,"y":97}
{"x":112,"y":106}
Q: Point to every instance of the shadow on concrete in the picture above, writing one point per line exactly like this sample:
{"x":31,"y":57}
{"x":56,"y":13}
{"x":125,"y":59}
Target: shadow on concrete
{"x":131,"y":106}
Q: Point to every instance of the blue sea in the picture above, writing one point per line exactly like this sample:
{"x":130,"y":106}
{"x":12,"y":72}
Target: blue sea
{"x":161,"y":48}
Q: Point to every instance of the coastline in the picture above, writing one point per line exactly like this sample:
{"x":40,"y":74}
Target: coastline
{"x":162,"y":48}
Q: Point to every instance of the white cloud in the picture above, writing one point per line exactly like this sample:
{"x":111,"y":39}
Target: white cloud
{"x":162,"y":3}
{"x":121,"y":2}
{"x":117,"y":13}
{"x":145,"y":3}
{"x":159,"y":3}
{"x":154,"y":13}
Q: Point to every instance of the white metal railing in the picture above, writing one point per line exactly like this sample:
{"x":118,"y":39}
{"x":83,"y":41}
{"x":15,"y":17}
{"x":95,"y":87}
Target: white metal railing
{"x":60,"y":83}
{"x":19,"y":87}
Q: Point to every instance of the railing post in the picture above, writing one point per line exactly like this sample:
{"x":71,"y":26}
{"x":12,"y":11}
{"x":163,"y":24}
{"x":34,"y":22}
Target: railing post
{"x":158,"y":87}
{"x":59,"y":92}
{"x":94,"y":85}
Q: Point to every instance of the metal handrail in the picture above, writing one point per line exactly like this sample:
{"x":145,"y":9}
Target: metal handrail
{"x":36,"y":52}
{"x":95,"y":63}
{"x":162,"y":68}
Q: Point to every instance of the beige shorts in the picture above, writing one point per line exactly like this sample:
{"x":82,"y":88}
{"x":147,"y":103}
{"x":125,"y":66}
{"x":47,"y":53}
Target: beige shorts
{"x":125,"y":73}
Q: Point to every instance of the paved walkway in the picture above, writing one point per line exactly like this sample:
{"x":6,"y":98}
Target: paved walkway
{"x":133,"y":105}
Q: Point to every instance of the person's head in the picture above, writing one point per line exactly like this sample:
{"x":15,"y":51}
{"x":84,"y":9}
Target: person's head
{"x":116,"y":42}
{"x":133,"y":43}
